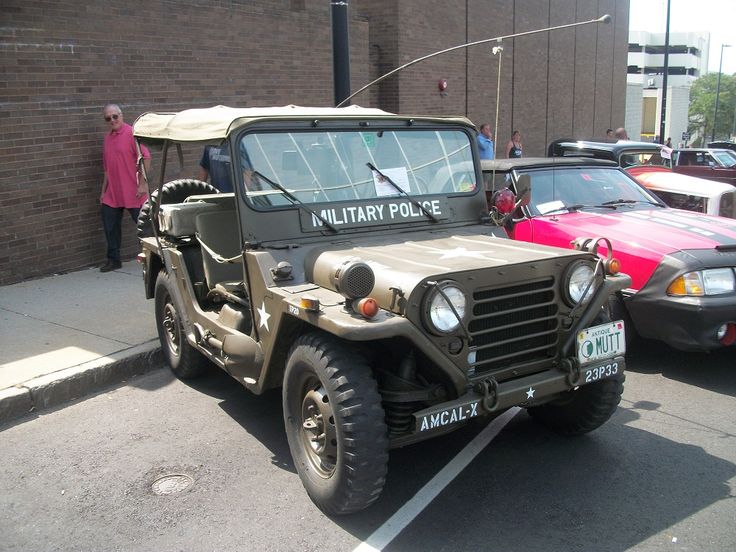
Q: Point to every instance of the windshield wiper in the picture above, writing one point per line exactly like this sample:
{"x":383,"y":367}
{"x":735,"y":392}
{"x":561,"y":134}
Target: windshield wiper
{"x":297,"y":201}
{"x":616,"y":202}
{"x":579,"y":206}
{"x":402,"y":191}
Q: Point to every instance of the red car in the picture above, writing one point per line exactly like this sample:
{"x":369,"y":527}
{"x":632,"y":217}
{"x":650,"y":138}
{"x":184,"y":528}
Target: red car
{"x":682,"y":264}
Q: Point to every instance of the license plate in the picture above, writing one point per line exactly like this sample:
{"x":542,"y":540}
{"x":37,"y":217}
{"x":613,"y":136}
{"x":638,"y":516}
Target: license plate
{"x":610,"y":369}
{"x":601,"y":342}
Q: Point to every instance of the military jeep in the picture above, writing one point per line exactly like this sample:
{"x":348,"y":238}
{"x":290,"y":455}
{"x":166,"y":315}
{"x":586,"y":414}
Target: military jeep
{"x":357,"y":267}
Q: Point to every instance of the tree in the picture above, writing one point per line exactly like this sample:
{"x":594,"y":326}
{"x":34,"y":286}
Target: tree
{"x":703,"y":103}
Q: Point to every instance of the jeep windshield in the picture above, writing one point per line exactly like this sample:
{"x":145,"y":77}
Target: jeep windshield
{"x":350,"y":166}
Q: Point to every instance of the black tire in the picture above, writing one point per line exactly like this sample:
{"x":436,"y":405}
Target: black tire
{"x":584,"y":409}
{"x":184,"y":360}
{"x":175,"y":191}
{"x":581,"y":410}
{"x":335,"y":424}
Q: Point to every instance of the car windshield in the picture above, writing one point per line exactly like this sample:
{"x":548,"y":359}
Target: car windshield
{"x":727,"y":206}
{"x":331,"y":166}
{"x":679,"y":200}
{"x":634,"y":158}
{"x":725,"y":158}
{"x":571,"y":189}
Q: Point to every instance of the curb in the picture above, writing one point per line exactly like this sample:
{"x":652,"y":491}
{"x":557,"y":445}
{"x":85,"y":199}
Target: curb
{"x":77,"y":381}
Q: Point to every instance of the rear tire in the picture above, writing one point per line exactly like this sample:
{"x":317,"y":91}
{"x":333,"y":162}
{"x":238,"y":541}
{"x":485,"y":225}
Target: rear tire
{"x":184,"y":360}
{"x":335,"y":424}
{"x":175,"y":191}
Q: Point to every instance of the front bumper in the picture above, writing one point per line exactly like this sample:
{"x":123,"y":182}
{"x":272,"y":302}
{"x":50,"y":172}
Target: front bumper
{"x":490,"y":397}
{"x":685,"y":323}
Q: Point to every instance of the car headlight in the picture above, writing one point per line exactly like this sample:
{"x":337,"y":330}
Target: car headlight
{"x":438,"y":315}
{"x":713,"y":281}
{"x":578,"y":276}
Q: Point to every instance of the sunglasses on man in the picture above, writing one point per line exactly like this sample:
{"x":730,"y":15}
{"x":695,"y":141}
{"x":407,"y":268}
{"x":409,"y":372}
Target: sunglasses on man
{"x":109,"y":118}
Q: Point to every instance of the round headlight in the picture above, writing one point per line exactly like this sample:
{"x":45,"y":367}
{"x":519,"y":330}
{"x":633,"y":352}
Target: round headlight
{"x":438,"y":314}
{"x":577,"y":279}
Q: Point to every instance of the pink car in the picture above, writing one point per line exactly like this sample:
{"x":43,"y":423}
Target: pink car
{"x":682,"y":264}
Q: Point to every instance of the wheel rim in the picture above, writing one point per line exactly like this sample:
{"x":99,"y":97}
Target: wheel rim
{"x":318,"y":432}
{"x":172,"y":329}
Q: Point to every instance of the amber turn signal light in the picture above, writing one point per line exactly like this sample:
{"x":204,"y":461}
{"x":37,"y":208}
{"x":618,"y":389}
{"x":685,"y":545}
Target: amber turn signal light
{"x":613,"y":266}
{"x":309,"y":303}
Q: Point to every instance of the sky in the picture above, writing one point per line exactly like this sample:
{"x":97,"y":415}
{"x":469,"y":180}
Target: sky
{"x":716,"y":16}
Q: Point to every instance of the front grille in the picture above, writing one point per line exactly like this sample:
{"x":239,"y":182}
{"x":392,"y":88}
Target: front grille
{"x":514,"y":326}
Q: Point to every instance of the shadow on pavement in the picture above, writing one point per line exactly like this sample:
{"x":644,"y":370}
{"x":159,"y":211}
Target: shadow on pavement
{"x":712,"y":371}
{"x":533,"y":490}
{"x":260,"y":415}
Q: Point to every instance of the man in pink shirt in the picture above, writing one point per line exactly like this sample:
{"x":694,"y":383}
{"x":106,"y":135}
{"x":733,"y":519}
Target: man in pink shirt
{"x":123,"y":187}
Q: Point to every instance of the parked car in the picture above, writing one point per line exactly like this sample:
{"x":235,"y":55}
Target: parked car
{"x":377,"y":294}
{"x":626,"y":153}
{"x":688,"y":192}
{"x":682,"y":264}
{"x":709,"y":163}
{"x":723,"y":145}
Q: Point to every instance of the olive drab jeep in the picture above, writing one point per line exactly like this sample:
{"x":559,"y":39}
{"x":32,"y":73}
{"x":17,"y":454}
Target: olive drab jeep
{"x":356,"y":266}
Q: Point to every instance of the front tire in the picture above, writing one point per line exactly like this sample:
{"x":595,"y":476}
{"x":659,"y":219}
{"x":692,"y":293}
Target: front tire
{"x":581,"y":410}
{"x":335,"y":424}
{"x":183,"y":359}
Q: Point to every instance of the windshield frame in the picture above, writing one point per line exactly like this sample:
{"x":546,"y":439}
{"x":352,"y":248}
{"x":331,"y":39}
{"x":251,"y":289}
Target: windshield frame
{"x":291,"y":222}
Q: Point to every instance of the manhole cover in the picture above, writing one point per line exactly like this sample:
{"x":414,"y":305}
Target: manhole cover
{"x":172,"y":483}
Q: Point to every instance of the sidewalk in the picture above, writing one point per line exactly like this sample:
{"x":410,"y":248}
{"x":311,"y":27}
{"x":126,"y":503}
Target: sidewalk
{"x":65,"y":336}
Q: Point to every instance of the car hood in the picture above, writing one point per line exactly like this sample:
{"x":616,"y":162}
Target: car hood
{"x":657,"y":231}
{"x":640,"y":238}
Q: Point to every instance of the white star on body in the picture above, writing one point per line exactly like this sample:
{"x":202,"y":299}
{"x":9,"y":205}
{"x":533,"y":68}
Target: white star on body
{"x":263,"y":316}
{"x":460,"y":252}
{"x":530,"y":393}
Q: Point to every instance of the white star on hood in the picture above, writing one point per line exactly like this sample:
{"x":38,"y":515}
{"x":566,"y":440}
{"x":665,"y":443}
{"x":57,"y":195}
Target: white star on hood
{"x":263,"y":316}
{"x":530,"y":393}
{"x":460,"y":252}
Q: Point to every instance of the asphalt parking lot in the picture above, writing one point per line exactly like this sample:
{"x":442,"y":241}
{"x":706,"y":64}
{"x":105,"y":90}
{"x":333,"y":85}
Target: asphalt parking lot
{"x":661,"y":475}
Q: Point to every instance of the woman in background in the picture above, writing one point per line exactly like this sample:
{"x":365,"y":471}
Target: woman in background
{"x":513,"y":148}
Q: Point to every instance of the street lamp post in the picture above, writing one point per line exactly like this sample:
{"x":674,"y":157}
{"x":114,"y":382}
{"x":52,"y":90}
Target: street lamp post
{"x":718,"y":91}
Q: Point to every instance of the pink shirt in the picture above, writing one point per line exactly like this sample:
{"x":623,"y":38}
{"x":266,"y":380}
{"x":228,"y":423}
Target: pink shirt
{"x":119,"y":161}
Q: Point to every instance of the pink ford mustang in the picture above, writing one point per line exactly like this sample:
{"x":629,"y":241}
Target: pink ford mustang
{"x":682,"y":264}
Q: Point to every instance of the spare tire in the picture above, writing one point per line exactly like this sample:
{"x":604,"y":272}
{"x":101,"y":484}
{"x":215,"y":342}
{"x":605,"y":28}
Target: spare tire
{"x":175,"y":191}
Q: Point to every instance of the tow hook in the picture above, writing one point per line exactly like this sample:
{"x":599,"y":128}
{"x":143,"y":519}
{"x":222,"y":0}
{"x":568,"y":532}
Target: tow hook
{"x":489,"y":389}
{"x":571,"y":367}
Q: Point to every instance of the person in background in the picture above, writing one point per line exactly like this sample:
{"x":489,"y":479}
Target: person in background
{"x":668,"y":143}
{"x":214,"y":167}
{"x":485,"y":142}
{"x":609,"y":134}
{"x":514,"y":148}
{"x":621,"y":134}
{"x":123,"y":185}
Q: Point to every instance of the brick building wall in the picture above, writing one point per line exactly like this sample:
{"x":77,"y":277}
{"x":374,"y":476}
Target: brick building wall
{"x":570,"y":82}
{"x":62,"y":60}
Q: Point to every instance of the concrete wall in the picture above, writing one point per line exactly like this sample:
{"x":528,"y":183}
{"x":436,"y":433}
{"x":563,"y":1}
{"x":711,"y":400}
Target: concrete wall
{"x":63,"y":60}
{"x":634,"y":95}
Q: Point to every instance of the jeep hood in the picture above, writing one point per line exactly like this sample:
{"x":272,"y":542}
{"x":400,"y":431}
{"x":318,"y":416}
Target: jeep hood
{"x":400,"y":262}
